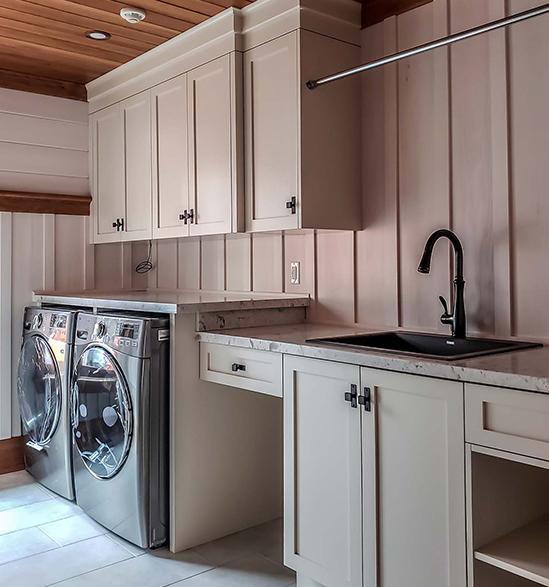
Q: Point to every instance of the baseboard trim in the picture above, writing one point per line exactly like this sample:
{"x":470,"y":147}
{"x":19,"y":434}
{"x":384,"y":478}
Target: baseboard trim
{"x":11,"y":455}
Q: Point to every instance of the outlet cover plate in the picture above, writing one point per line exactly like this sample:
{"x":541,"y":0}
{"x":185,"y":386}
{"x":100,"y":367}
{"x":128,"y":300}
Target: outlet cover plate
{"x":295,"y":273}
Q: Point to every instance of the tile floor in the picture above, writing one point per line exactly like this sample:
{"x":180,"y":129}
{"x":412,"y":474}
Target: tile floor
{"x":46,"y":540}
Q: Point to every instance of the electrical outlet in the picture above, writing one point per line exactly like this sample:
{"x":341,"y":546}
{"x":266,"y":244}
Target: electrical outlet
{"x":295,"y":277}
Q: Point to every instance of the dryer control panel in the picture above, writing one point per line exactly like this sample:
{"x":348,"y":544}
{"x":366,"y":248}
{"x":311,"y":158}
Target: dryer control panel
{"x":52,"y":324}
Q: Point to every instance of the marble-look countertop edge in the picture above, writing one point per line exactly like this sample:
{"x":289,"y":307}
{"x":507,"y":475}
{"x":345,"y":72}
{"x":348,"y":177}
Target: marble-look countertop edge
{"x":172,"y":307}
{"x":384,"y":361}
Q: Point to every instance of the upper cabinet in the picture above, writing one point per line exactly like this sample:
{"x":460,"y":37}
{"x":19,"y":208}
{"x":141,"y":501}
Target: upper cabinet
{"x":216,"y":132}
{"x":121,"y":171}
{"x":302,"y":148}
{"x":213,"y":150}
{"x":107,"y":177}
{"x":271,"y":102}
{"x":170,"y":158}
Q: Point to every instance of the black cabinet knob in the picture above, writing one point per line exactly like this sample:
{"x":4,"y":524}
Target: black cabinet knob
{"x":236,"y":367}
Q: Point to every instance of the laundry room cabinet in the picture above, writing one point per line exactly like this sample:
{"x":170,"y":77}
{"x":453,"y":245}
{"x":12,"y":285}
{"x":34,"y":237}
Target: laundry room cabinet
{"x":302,"y":147}
{"x":374,"y":473}
{"x":121,"y":177}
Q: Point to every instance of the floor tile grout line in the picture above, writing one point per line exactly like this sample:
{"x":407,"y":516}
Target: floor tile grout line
{"x":89,"y":572}
{"x":35,"y":526}
{"x":30,"y":555}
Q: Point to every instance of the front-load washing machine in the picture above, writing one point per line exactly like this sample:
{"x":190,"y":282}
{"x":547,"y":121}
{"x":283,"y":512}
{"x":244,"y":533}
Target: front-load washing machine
{"x":119,"y":407}
{"x":43,"y":385}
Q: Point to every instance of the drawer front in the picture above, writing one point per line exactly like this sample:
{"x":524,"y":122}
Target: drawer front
{"x":514,"y":421}
{"x":249,"y":369}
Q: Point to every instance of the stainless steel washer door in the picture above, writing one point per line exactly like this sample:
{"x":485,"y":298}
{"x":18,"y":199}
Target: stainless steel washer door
{"x":101,"y":413}
{"x":39,"y":390}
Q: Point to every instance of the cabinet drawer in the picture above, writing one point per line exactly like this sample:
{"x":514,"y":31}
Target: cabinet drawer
{"x":249,"y":369}
{"x":514,"y":421}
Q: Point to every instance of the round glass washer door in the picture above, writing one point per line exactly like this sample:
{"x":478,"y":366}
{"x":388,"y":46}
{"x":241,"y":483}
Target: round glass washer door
{"x":39,"y":390}
{"x":101,"y":413}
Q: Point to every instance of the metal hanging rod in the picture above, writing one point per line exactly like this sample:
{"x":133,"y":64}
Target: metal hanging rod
{"x":486,"y":28}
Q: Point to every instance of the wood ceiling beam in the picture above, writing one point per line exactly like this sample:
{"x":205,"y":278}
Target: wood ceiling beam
{"x":374,"y":11}
{"x":44,"y":203}
{"x":15,"y":80}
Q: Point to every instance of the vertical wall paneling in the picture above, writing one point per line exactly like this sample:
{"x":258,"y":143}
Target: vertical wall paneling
{"x":376,"y":246}
{"x":500,"y":173}
{"x":167,"y":263}
{"x":5,"y":325}
{"x":268,"y":260}
{"x":454,"y":138}
{"x":529,"y":146}
{"x":335,"y":277}
{"x":48,"y":264}
{"x":213,"y":263}
{"x":423,"y":165}
{"x":238,"y":259}
{"x":189,"y":257}
{"x":299,"y":246}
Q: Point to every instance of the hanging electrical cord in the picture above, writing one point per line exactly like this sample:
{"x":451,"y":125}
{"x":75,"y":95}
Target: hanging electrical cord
{"x":145,"y":266}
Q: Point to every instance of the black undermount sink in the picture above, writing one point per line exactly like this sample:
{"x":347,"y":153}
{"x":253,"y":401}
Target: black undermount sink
{"x":429,"y":346}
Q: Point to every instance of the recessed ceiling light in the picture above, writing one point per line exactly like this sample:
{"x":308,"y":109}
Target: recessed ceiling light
{"x":133,"y":15}
{"x":98,"y":35}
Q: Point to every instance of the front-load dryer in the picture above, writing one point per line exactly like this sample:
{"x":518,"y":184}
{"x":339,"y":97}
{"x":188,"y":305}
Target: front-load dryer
{"x":120,"y":415}
{"x":43,"y":385}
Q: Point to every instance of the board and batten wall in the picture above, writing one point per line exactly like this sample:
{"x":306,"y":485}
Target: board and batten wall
{"x":43,"y":148}
{"x":455,"y":138}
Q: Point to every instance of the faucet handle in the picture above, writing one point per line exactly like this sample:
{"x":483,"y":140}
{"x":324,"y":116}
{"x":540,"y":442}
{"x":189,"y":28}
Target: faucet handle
{"x":446,"y":318}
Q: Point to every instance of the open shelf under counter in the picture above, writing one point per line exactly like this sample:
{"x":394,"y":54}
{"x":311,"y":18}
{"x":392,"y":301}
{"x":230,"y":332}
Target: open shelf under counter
{"x":523,"y":552}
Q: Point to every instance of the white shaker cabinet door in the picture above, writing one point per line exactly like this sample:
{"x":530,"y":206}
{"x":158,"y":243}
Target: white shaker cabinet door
{"x":210,"y":148}
{"x":414,"y":477}
{"x":170,"y":159}
{"x":271,"y":103}
{"x":136,"y":112}
{"x":107,"y":161}
{"x":322,"y":472}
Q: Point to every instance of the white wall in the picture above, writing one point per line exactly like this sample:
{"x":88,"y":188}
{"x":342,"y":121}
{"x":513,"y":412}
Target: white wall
{"x":43,"y":148}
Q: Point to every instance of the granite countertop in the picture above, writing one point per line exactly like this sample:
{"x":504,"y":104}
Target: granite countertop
{"x":172,"y":301}
{"x":526,"y":370}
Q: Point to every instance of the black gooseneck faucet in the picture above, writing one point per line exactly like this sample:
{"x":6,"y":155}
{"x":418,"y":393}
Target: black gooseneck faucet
{"x":456,"y":319}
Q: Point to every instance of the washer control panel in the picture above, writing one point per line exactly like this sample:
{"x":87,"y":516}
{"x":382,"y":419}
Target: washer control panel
{"x":120,"y":333}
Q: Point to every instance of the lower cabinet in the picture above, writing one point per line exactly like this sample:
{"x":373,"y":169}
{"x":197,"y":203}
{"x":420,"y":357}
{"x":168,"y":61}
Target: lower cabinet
{"x":374,"y":476}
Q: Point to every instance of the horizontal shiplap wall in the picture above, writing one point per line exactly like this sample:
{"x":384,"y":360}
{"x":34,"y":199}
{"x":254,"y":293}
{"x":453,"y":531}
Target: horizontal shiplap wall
{"x":43,"y":143}
{"x":456,"y":138}
{"x":43,"y":148}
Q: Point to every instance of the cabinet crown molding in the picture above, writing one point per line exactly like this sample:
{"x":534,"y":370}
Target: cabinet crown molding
{"x":233,"y":29}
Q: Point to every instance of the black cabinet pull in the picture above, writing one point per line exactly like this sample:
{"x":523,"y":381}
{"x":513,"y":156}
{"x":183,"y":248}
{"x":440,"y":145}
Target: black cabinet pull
{"x":366,"y":399}
{"x":237,"y":367}
{"x":119,"y":224}
{"x":292,"y":205}
{"x":351,"y":396}
{"x":187,"y":216}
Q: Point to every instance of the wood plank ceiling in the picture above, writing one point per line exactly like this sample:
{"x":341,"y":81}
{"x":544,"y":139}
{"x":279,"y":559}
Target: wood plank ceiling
{"x":43,"y":47}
